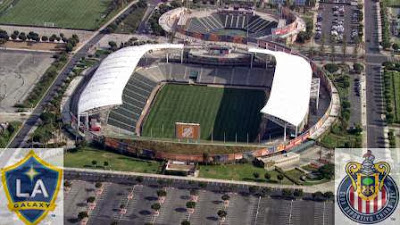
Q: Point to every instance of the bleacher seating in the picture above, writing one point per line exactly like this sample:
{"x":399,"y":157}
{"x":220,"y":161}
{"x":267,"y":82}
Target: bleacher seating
{"x":135,"y":96}
{"x":256,"y":25}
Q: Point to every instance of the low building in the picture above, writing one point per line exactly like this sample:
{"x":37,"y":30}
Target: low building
{"x":283,"y":161}
{"x":180,"y":168}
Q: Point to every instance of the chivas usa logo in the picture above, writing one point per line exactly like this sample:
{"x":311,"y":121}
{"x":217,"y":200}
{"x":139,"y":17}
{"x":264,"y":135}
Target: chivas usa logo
{"x":368,"y":194}
{"x":31,"y":186}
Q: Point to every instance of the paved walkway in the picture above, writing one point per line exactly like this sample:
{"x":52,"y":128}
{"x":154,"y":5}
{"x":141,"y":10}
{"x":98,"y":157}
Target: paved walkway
{"x":329,"y":186}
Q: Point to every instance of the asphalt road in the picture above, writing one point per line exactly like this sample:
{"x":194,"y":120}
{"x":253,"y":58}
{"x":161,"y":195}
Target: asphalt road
{"x":31,"y":121}
{"x":142,"y":28}
{"x":374,"y":84}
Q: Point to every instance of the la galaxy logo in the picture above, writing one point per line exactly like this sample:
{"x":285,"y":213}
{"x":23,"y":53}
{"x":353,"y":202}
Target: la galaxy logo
{"x":31,"y":186}
{"x":368,"y":194}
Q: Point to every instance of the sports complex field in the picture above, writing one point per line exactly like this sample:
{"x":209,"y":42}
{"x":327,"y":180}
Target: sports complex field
{"x":218,"y":110}
{"x":76,"y":14}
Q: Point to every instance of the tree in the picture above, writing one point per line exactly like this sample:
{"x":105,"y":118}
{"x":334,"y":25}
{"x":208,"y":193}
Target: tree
{"x":358,"y":68}
{"x":94,"y":162}
{"x":91,"y":199}
{"x":279,"y":177}
{"x":82,"y":215}
{"x":47,"y":117}
{"x":298,"y":193}
{"x":331,"y":67}
{"x":185,"y":222}
{"x":139,"y":179}
{"x":225,"y":197}
{"x":122,"y":206}
{"x":222,"y":213}
{"x":3,"y":36}
{"x":286,"y":193}
{"x":69,"y":47}
{"x":256,"y":175}
{"x":395,"y":46}
{"x":253,"y":189}
{"x":206,"y":157}
{"x":317,"y":195}
{"x":202,"y":185}
{"x":327,"y":171}
{"x":328,"y":195}
{"x":113,"y":45}
{"x":98,"y":185}
{"x":265,"y":191}
{"x":22,"y":36}
{"x":161,"y":193}
{"x":190,"y":205}
{"x":45,"y":38}
{"x":105,"y":163}
{"x":267,"y":176}
{"x":194,"y":192}
{"x":156,"y":206}
{"x":67,"y":183}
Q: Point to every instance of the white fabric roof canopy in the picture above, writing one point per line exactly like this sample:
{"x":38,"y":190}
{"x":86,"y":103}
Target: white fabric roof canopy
{"x":107,"y":84}
{"x":290,"y":92}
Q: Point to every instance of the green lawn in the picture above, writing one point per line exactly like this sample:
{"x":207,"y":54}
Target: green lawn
{"x":218,"y":110}
{"x":241,"y":172}
{"x":4,"y":5}
{"x":6,"y":135}
{"x":77,"y":14}
{"x":394,"y":3}
{"x":396,"y":93}
{"x":130,"y":24}
{"x":83,"y":159}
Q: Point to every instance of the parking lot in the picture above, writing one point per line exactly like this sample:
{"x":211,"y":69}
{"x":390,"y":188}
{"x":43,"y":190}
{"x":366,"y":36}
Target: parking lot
{"x":19,"y":71}
{"x":337,"y":22}
{"x":243,"y":207}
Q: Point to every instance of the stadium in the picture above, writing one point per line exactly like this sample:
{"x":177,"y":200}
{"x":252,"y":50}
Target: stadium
{"x":173,"y":101}
{"x":232,"y":24}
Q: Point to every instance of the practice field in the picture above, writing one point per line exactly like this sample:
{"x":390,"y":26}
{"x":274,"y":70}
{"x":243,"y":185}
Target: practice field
{"x":228,"y":112}
{"x":76,"y":14}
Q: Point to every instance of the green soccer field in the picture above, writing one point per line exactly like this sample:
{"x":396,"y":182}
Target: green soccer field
{"x":76,"y":14}
{"x":218,"y":110}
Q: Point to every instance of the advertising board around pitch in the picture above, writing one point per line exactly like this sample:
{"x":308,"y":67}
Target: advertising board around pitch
{"x":187,"y":130}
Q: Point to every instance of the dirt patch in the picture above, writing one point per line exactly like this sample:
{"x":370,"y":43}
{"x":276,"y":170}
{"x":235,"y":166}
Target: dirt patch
{"x":35,"y":46}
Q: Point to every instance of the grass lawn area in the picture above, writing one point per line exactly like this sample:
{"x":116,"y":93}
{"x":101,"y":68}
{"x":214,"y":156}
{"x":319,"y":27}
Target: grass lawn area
{"x":332,"y":140}
{"x":394,"y":3}
{"x":131,"y":22}
{"x":5,"y":4}
{"x":309,"y":168}
{"x":241,"y":172}
{"x":294,"y":173}
{"x":219,"y":111}
{"x":76,"y":14}
{"x":395,"y":93}
{"x":6,"y":135}
{"x":83,"y":159}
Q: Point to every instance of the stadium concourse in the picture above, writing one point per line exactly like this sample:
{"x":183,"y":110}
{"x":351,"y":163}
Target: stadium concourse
{"x":122,"y":94}
{"x":230,"y":24}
